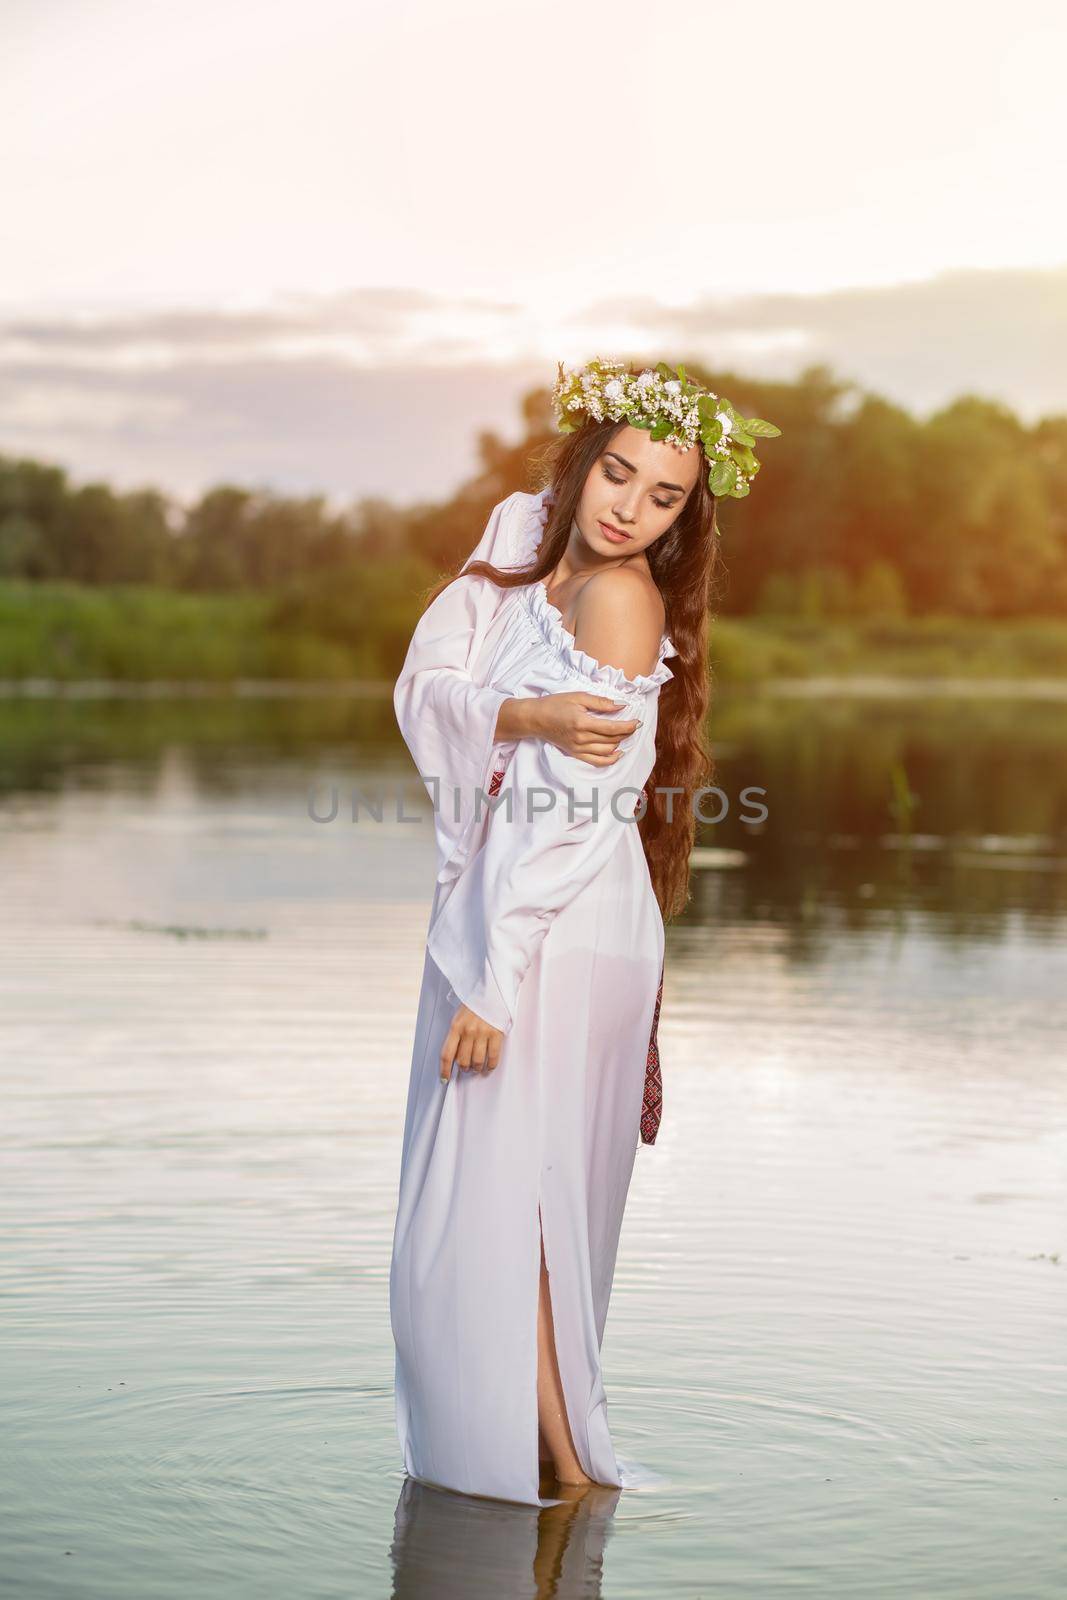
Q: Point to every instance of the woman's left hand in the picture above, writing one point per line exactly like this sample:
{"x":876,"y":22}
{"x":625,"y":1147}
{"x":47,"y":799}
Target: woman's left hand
{"x":472,"y":1043}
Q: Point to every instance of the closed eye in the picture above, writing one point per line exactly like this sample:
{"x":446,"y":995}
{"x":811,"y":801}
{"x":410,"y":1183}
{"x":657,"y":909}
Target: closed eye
{"x":664,"y":505}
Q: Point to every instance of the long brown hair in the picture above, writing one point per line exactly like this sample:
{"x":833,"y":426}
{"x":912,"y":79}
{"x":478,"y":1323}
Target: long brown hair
{"x":684,"y":564}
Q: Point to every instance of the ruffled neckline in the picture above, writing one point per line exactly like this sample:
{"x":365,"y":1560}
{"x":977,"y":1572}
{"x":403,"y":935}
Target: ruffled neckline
{"x":549,"y":620}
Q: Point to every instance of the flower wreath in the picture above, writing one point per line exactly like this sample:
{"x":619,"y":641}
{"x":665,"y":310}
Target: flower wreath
{"x":671,"y":407}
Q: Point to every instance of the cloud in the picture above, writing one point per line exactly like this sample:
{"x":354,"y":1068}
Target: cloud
{"x":383,"y":390}
{"x":1001,"y":333}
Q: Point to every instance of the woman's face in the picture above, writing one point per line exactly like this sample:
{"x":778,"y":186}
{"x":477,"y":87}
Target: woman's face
{"x":636,"y":486}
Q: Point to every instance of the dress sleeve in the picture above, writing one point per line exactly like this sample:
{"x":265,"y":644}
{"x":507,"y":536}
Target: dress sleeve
{"x":447,"y":720}
{"x":536,"y":859}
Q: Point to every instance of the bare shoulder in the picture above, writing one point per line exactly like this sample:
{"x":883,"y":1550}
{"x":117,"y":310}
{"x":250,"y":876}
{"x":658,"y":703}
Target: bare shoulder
{"x":620,"y":619}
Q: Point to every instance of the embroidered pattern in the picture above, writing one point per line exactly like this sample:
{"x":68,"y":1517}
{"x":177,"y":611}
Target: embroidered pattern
{"x":652,"y":1108}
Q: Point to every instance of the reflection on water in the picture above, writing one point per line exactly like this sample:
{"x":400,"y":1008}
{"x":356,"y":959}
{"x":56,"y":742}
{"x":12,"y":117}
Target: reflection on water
{"x":835,"y":1347}
{"x":455,"y":1547}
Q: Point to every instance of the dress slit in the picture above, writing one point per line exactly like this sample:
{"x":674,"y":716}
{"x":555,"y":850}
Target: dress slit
{"x":579,"y":1441}
{"x":541,"y":1249}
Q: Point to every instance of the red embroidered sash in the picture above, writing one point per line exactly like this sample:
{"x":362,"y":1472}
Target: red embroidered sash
{"x":652,"y":1109}
{"x":652,"y":1104}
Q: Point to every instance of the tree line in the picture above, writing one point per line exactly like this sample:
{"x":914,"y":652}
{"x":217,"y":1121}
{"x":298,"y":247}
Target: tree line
{"x":860,"y":509}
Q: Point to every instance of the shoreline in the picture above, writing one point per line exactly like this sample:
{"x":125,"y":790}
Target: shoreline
{"x":886,"y":686}
{"x":881,"y":686}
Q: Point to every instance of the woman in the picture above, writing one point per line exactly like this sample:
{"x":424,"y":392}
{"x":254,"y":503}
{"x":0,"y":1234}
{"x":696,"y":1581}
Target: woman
{"x":542,"y":662}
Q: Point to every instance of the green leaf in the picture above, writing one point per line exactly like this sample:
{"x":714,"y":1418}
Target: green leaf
{"x":761,"y":429}
{"x":707,"y":407}
{"x":567,"y":427}
{"x":663,"y":427}
{"x":711,"y":432}
{"x":664,"y":370}
{"x":681,"y":372}
{"x":741,"y":435}
{"x":722,"y":478}
{"x":739,"y":490}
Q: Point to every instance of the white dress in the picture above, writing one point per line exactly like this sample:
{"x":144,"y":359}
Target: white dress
{"x":547,"y":926}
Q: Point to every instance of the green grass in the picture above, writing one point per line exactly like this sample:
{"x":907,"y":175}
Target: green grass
{"x":136,"y":634}
{"x":752,"y":650}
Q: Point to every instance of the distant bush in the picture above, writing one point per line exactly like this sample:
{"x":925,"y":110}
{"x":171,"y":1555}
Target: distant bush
{"x":742,"y":653}
{"x":369,"y":607}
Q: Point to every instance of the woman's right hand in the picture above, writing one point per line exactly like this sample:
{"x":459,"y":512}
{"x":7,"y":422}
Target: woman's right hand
{"x":575,"y":723}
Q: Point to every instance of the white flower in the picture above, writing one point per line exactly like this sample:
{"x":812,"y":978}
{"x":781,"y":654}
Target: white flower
{"x":613,"y":389}
{"x":673,"y":386}
{"x":726,"y":423}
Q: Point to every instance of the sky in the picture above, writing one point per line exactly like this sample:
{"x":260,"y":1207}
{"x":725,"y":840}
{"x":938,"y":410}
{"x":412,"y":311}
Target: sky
{"x":318,"y":246}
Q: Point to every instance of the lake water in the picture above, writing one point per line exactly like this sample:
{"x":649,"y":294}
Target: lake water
{"x":836,"y":1348}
